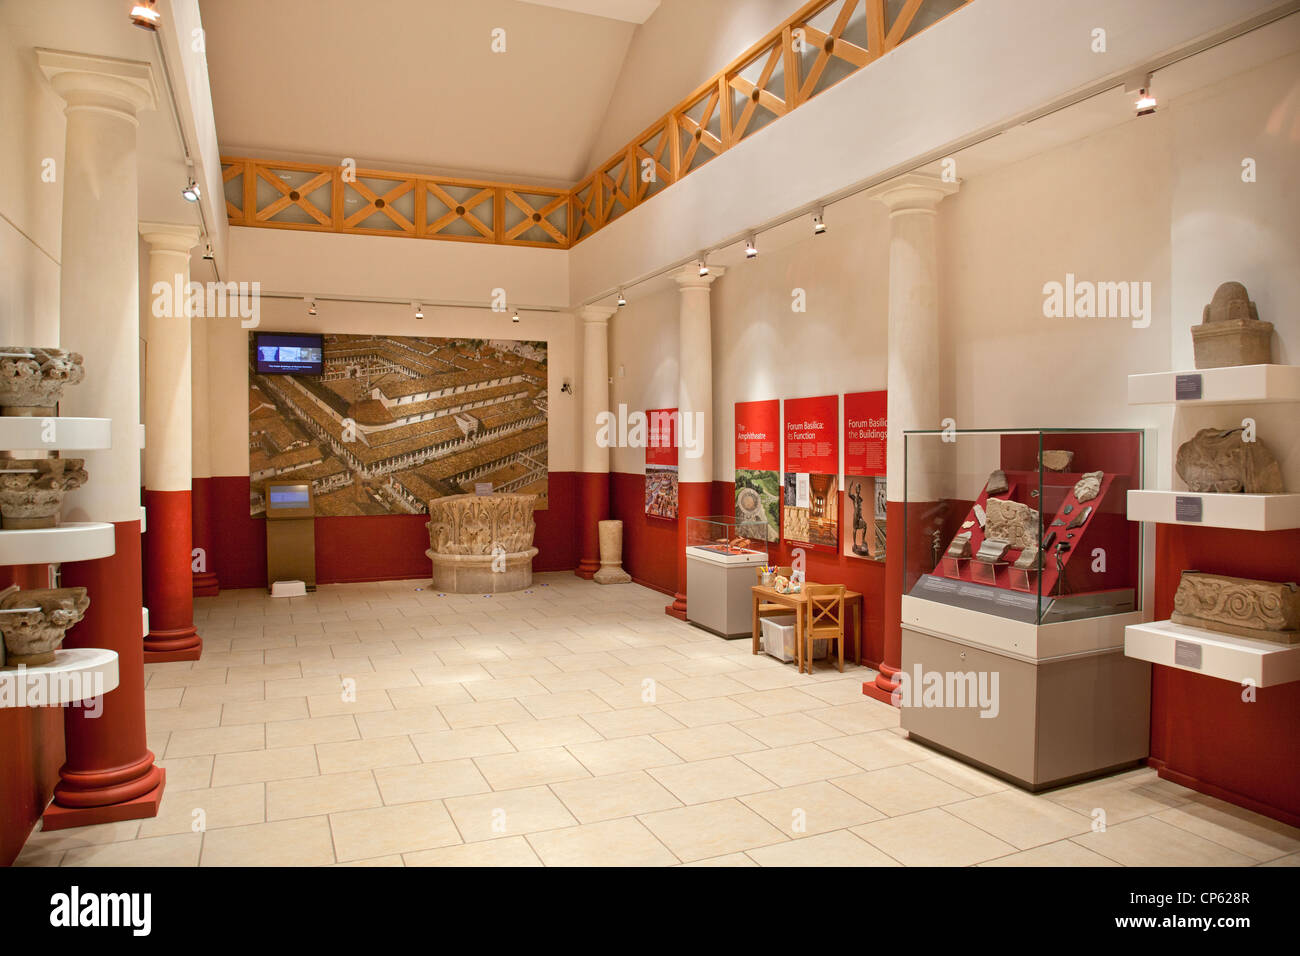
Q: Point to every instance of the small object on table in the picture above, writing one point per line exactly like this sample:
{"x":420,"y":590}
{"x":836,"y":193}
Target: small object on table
{"x":960,"y":546}
{"x":1080,"y":518}
{"x":992,"y":550}
{"x":967,"y":524}
{"x":1056,"y":459}
{"x":1058,"y":523}
{"x":1068,"y":509}
{"x":1089,"y":486}
{"x":997,"y":483}
{"x":1047,"y":542}
{"x":1028,"y":559}
{"x":980,"y":516}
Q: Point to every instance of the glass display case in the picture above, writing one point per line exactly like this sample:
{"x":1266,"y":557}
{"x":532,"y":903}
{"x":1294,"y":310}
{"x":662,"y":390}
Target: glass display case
{"x":719,"y":537}
{"x":1028,"y":525}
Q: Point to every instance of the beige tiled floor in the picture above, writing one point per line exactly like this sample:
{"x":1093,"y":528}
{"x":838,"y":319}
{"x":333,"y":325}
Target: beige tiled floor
{"x":576,"y":724}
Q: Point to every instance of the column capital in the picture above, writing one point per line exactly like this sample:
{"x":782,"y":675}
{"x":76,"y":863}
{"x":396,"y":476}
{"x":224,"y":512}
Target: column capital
{"x":597,"y":314}
{"x":912,"y":192}
{"x":169,"y":236}
{"x":100,"y":82}
{"x":688,"y":276}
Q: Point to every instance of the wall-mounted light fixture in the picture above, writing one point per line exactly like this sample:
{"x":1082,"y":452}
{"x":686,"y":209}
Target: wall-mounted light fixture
{"x":751,"y":247}
{"x":622,"y":301}
{"x":191,"y":192}
{"x":311,"y":306}
{"x":146,"y":15}
{"x":819,"y":220}
{"x":419,"y":310}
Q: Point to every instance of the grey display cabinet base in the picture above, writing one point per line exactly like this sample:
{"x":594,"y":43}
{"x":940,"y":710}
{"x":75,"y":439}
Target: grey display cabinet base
{"x":1058,"y":720}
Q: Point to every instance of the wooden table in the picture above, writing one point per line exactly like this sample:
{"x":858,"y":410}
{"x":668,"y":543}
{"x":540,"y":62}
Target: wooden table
{"x":798,"y":602}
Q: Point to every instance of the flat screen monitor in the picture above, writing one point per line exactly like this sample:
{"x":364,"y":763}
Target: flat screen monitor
{"x":289,"y":353}
{"x":287,"y":499}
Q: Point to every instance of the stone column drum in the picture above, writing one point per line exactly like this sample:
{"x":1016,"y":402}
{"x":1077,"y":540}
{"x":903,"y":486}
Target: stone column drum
{"x":611,"y":554}
{"x":482,"y":544}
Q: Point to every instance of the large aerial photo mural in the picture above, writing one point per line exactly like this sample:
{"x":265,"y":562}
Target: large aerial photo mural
{"x":394,"y":421}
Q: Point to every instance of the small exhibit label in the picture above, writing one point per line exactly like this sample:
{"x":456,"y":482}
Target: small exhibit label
{"x":1187,"y":508}
{"x":1187,"y":654}
{"x":482,"y":487}
{"x":1189,"y":388}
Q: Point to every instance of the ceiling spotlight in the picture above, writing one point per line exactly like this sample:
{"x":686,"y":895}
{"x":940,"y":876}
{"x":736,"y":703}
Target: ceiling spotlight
{"x":419,"y":310}
{"x":515,"y":316}
{"x":704,"y":269}
{"x":207,"y":253}
{"x":621,"y":300}
{"x":819,"y":222}
{"x":311,"y":306}
{"x":191,"y":191}
{"x":751,"y":247}
{"x":1146,"y":102}
{"x":146,"y":14}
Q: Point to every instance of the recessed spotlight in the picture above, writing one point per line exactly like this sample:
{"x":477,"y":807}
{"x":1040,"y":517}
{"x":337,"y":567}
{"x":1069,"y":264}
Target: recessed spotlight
{"x":419,"y":310}
{"x":622,"y":301}
{"x":751,"y":247}
{"x":191,"y":192}
{"x":146,"y":15}
{"x":311,"y":306}
{"x":819,"y":222}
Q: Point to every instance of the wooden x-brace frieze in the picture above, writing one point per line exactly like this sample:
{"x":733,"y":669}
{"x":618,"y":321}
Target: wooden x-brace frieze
{"x":229,"y":172}
{"x":460,"y":209}
{"x":585,"y":208}
{"x":833,"y":44}
{"x":757,"y":94}
{"x":698,"y":132}
{"x":619,"y":189}
{"x":293,"y":196}
{"x":384,"y":204}
{"x":536,"y":216}
{"x":660,"y":157}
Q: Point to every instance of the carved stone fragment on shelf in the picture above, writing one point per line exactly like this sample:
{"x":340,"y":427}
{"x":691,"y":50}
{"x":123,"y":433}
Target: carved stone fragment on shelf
{"x":1056,"y":459}
{"x":981,"y":515}
{"x":1028,"y":560}
{"x":997,"y":483}
{"x":1219,"y":460}
{"x":482,"y":543}
{"x":1089,"y":486}
{"x":1231,"y":332}
{"x":960,"y":546}
{"x":35,"y":622}
{"x":32,"y":489}
{"x":1012,"y":522}
{"x":32,"y":379}
{"x":992,"y":550}
{"x":1265,"y":610}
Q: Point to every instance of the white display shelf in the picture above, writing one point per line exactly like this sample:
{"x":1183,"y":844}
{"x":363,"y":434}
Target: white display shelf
{"x":69,"y":434}
{"x":1243,"y":512}
{"x":72,"y":541}
{"x":1224,"y":656}
{"x":144,"y":622}
{"x":718,"y":557}
{"x":1235,"y":385}
{"x":76,"y":674}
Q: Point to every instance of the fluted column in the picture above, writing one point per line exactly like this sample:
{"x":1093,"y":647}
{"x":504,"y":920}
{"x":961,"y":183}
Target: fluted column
{"x":593,"y":491}
{"x":203,"y":576}
{"x":109,"y":773}
{"x":695,"y":411}
{"x":913,"y":382}
{"x":168,"y":586}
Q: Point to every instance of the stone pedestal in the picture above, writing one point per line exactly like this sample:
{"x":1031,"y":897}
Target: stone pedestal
{"x":482,"y":544}
{"x":611,"y":554}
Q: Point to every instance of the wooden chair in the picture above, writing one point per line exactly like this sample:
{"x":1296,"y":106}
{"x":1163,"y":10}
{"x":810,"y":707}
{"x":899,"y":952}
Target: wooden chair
{"x":825,"y":618}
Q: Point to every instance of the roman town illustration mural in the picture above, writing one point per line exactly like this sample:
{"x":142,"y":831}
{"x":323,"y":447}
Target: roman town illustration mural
{"x":394,"y":421}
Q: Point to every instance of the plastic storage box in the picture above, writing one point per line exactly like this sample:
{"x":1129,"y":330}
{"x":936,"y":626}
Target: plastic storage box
{"x":778,"y":638}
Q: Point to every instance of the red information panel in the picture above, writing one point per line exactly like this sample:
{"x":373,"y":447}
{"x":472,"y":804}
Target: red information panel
{"x":865,"y":428}
{"x":810,"y":498}
{"x":757,"y":467}
{"x":661,"y":463}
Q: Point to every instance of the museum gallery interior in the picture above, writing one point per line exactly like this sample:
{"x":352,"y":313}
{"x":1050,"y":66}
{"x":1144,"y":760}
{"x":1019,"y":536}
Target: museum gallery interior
{"x":650,"y":432}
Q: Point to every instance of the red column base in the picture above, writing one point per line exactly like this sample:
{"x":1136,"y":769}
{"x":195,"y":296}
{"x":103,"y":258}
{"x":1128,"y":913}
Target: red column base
{"x":678,"y":608}
{"x":587,"y":568}
{"x":206,"y":584}
{"x":146,"y":805}
{"x":174,"y":644}
{"x":883,"y":687}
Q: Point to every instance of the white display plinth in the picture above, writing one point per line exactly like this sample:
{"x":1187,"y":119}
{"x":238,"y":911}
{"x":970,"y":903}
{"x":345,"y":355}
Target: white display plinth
{"x":1225,"y":656}
{"x":1218,"y":510}
{"x":55,"y":434}
{"x":71,"y":541}
{"x":1234,"y":385}
{"x":75,"y":674}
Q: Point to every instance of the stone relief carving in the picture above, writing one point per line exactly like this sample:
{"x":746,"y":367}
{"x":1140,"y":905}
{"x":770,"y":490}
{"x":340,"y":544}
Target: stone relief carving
{"x":1055,"y":459}
{"x":1012,"y":522}
{"x":1266,"y":610}
{"x":1089,"y":486}
{"x":1218,"y":460}
{"x":997,"y":483}
{"x":32,"y":379}
{"x":1231,"y":332}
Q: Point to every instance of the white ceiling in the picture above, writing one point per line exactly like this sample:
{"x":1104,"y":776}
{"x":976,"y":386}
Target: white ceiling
{"x":415,"y":84}
{"x":632,"y":11}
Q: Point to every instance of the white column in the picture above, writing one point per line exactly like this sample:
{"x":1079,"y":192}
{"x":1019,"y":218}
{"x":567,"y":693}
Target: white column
{"x":167,"y":393}
{"x":99,"y":283}
{"x":595,"y":384}
{"x":695,"y":373}
{"x":914,"y":358}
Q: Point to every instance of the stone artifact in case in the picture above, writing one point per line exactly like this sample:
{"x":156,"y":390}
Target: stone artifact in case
{"x":1222,"y":460}
{"x":1264,"y":610}
{"x":1230,"y":332}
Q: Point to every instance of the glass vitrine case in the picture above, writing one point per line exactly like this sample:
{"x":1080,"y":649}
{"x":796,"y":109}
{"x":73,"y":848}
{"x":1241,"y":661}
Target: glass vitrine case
{"x":1026,"y":525}
{"x":720,"y":538}
{"x":1021,"y":570}
{"x":721,"y":571}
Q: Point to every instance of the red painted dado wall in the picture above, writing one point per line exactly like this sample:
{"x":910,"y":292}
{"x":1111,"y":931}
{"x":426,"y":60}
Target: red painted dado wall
{"x":380,"y":548}
{"x":1203,"y":735}
{"x":31,"y":750}
{"x":650,"y":555}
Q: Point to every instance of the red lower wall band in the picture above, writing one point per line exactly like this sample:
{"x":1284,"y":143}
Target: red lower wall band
{"x":168,"y":581}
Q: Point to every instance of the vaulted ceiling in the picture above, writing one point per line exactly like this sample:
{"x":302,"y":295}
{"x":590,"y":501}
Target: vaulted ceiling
{"x":418,"y":83}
